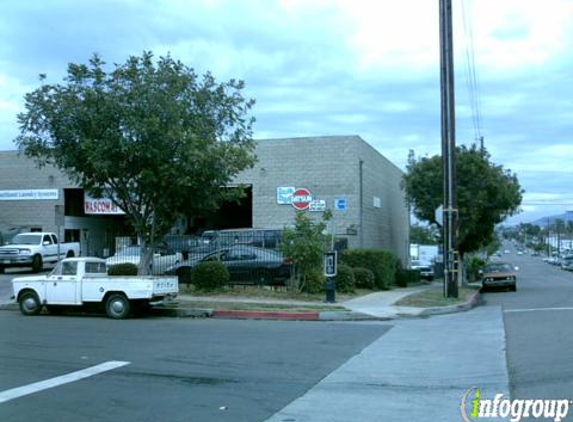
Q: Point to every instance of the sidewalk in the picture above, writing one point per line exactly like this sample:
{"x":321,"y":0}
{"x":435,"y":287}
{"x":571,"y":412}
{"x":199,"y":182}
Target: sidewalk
{"x":374,"y":306}
{"x":418,"y":371}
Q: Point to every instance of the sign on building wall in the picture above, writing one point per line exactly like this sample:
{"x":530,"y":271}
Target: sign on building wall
{"x":317,"y":205}
{"x":340,"y":203}
{"x":102,"y":206}
{"x":301,"y":199}
{"x":284,"y":195}
{"x":29,"y":194}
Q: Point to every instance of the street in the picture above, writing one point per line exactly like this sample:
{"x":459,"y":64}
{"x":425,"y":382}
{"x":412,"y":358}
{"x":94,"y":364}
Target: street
{"x":179,"y":369}
{"x":538,"y":329}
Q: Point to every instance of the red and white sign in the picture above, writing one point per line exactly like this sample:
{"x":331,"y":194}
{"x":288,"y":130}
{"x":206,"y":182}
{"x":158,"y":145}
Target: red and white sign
{"x":103,"y":206}
{"x":301,"y":199}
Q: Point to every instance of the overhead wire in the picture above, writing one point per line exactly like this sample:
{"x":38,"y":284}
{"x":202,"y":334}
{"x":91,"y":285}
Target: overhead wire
{"x":472,"y":75}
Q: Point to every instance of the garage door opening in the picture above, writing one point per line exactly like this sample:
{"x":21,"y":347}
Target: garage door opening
{"x":231,"y":215}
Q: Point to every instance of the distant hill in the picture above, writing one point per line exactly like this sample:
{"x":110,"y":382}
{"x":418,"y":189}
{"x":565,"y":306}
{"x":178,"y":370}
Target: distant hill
{"x":547,"y":221}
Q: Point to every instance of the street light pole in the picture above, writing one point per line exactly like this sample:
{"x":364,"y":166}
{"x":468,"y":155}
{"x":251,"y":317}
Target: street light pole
{"x":448,"y":148}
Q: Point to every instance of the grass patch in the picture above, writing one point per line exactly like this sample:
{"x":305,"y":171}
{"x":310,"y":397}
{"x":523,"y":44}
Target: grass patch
{"x":435,"y":297}
{"x":255,"y":292}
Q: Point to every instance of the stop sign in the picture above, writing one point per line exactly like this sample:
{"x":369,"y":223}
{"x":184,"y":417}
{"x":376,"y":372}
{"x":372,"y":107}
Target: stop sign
{"x":301,"y":199}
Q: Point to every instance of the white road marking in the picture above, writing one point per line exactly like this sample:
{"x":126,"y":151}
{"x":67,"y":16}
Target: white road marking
{"x":57,"y":381}
{"x":538,"y":310}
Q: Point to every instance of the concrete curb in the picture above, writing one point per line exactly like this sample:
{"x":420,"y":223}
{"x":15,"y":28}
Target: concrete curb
{"x":278,"y":315}
{"x":177,"y":312}
{"x":461,"y":307}
{"x":8,"y":306}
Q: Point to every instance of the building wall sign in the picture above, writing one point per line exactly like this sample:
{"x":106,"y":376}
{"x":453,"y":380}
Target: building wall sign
{"x":317,"y":205}
{"x":301,"y":199}
{"x":29,"y":194}
{"x":284,"y":195}
{"x":102,"y":206}
{"x":340,"y":203}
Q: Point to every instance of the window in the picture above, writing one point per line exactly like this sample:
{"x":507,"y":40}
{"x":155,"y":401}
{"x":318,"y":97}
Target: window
{"x":96,"y":268}
{"x":69,"y":268}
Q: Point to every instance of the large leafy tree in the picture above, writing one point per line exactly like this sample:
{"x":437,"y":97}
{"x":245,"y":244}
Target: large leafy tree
{"x":486,"y":194}
{"x":150,"y":134}
{"x":423,"y":235}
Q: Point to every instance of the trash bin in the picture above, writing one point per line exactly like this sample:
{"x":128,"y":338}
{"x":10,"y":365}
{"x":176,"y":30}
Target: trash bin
{"x":330,"y":288}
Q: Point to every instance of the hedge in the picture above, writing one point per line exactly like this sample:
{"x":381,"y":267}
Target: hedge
{"x":210,"y":275}
{"x":126,"y":268}
{"x":314,"y":282}
{"x":345,"y":282}
{"x":364,"y":278}
{"x":382,"y":263}
{"x":406,"y":276}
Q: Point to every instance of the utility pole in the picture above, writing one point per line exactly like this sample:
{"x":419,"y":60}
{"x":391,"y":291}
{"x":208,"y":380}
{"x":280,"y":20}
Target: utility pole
{"x":448,"y":148}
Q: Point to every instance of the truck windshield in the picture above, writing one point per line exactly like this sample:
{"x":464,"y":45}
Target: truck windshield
{"x":26,"y":239}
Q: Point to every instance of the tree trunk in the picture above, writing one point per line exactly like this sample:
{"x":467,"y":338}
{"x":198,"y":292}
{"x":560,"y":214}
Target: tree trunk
{"x":146,"y":258}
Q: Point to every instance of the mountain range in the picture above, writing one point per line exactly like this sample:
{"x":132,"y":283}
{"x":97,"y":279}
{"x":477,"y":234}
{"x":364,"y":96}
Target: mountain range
{"x":547,"y":221}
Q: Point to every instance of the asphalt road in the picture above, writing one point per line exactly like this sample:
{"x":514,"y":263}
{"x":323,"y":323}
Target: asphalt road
{"x":174,"y":369}
{"x":539,"y":329}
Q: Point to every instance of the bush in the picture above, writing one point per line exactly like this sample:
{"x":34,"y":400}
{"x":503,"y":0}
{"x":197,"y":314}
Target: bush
{"x":126,"y":268}
{"x":345,"y":282}
{"x":314,"y":282}
{"x":209,"y":276}
{"x":473,"y":266}
{"x":381,"y":263}
{"x":364,"y":278}
{"x":406,"y":276}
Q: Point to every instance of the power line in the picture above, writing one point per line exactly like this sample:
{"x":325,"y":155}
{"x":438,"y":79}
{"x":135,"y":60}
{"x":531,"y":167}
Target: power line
{"x":472,"y":76}
{"x":549,"y":203}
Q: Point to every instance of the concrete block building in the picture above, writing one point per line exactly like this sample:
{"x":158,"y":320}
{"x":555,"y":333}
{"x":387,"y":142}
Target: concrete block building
{"x":341,"y":173}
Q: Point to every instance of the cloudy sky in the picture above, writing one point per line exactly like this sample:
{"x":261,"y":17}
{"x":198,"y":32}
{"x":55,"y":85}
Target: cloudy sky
{"x":338,"y":67}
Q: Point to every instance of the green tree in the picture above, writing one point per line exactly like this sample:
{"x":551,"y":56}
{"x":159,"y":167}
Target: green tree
{"x":559,"y":226}
{"x":486,"y":194}
{"x":424,"y":235}
{"x":152,"y":135}
{"x":305,"y":245}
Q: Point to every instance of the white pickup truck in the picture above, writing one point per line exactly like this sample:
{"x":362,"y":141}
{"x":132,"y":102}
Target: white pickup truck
{"x":84,"y":281}
{"x":35,"y":250}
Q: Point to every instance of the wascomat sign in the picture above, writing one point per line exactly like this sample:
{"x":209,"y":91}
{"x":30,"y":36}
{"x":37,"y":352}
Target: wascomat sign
{"x":102,"y":206}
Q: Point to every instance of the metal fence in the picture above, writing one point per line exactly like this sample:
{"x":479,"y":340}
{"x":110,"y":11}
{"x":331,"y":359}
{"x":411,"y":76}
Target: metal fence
{"x":252,"y":256}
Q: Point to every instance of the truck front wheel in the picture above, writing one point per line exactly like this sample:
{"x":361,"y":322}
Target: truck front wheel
{"x":37,"y":264}
{"x":117,"y":306}
{"x":29,"y":303}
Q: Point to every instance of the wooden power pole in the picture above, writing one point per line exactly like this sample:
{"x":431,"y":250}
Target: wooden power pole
{"x":448,"y":148}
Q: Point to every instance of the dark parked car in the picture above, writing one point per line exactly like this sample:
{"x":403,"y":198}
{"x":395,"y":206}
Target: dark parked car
{"x":246,"y":264}
{"x":499,"y":274}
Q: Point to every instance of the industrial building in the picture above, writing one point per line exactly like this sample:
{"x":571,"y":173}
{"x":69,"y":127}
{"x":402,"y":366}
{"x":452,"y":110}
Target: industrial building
{"x":341,"y":173}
